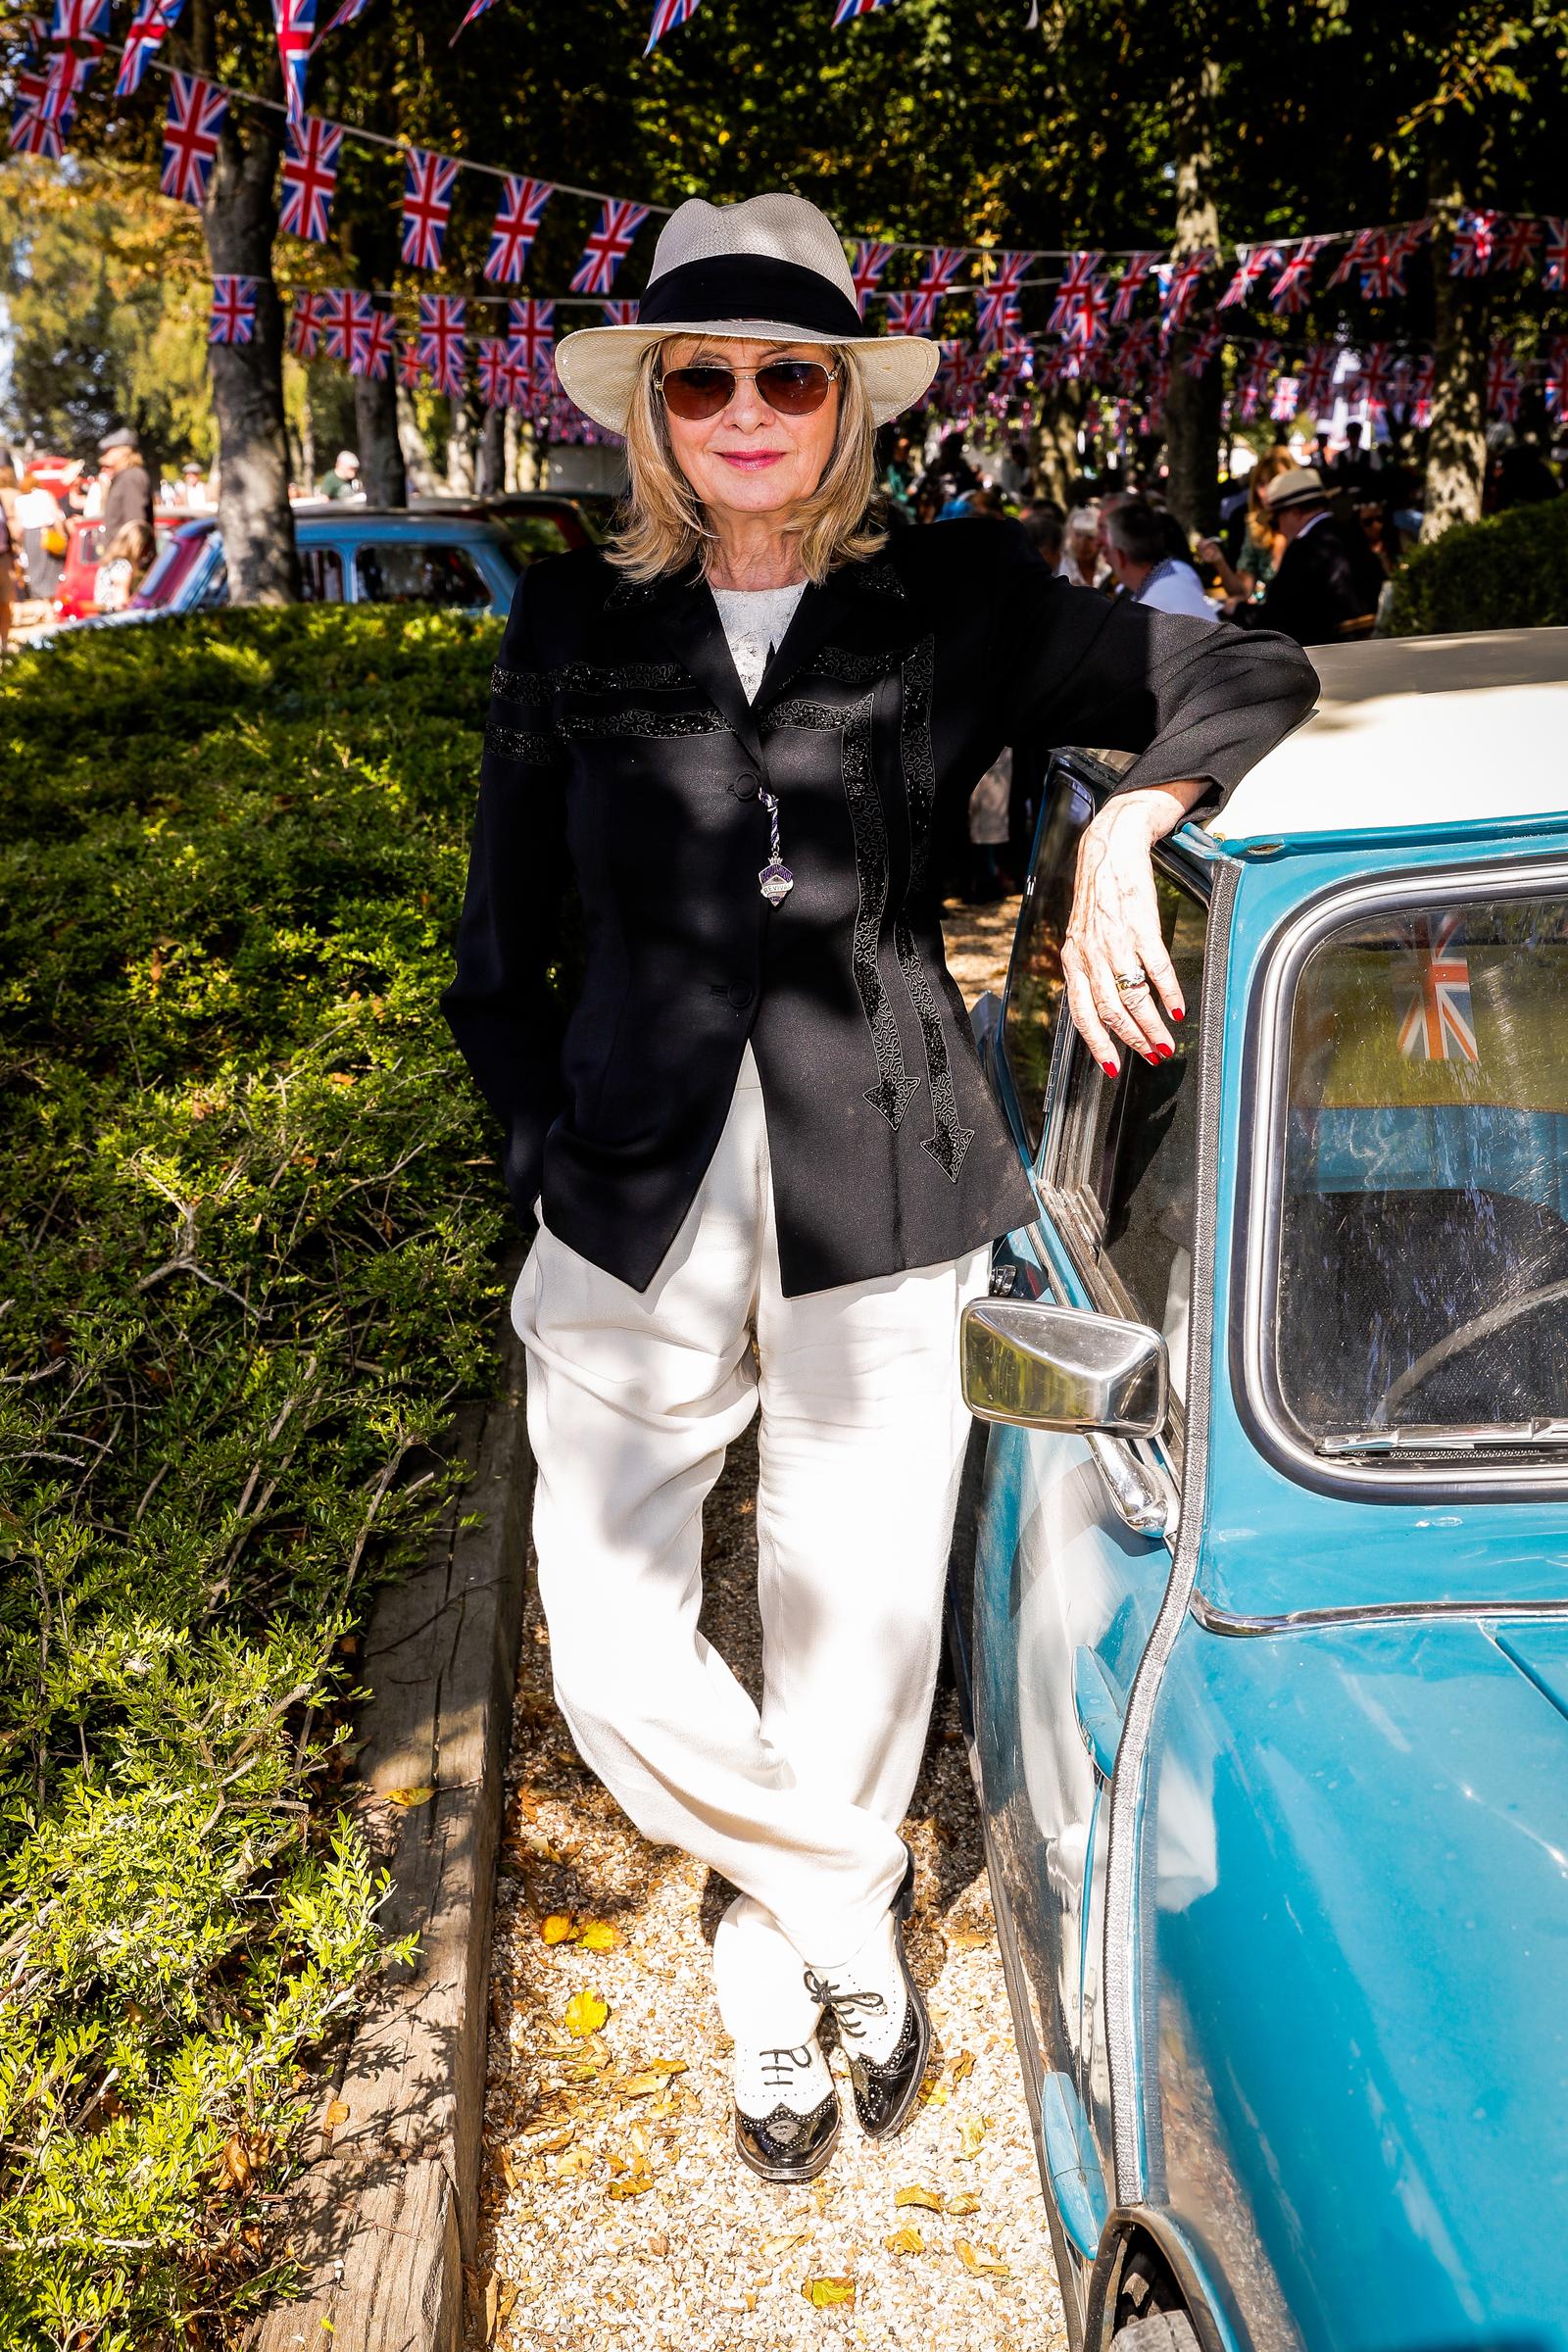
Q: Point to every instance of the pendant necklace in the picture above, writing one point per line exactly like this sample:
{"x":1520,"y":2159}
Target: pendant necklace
{"x":775,"y":880}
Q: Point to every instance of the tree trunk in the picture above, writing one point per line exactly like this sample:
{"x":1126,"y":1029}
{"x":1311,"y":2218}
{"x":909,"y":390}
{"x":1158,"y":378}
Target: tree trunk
{"x":1193,"y":404}
{"x":240,"y":221}
{"x":1053,"y":444}
{"x":529,"y":469}
{"x":1456,"y":448}
{"x":375,"y":430}
{"x":511,"y":442}
{"x":492,"y":469}
{"x":462,"y":440}
{"x":306,"y":445}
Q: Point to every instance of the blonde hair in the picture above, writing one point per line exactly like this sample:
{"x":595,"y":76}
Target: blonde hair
{"x":663,"y":526}
{"x":1262,"y":527}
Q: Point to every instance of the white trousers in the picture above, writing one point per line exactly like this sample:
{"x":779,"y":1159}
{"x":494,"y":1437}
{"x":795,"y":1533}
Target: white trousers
{"x":632,"y":1399}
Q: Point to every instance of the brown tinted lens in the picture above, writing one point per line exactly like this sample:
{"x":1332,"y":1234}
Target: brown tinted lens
{"x":794,"y":387}
{"x":693,"y":392}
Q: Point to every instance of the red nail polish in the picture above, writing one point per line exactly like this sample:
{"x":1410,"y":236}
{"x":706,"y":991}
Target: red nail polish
{"x":1165,"y":1052}
{"x":1109,"y":1068}
{"x":1177,"y":1013}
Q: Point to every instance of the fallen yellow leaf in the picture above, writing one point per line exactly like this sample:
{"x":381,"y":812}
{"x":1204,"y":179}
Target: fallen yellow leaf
{"x":976,"y":2264}
{"x":934,"y":2091}
{"x":668,"y":2065}
{"x":774,"y":2247}
{"x":968,"y":1940}
{"x":558,"y":1927}
{"x":962,"y":2066}
{"x":639,"y":2087}
{"x":527,"y":1804}
{"x":634,"y":2182}
{"x":586,"y":2012}
{"x":905,"y":2241}
{"x":966,"y":2201}
{"x":408,"y":1799}
{"x":914,"y":2195}
{"x":335,"y":2112}
{"x":972,"y":2131}
{"x":508,"y":2172}
{"x":822,"y":2292}
{"x":551,"y":2143}
{"x":599,"y":1936}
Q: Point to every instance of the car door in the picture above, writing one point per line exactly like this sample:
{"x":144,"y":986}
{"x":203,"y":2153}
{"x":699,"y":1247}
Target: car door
{"x":1073,"y":1547}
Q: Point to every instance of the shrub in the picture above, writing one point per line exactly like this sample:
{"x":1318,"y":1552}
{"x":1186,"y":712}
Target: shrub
{"x":1510,"y":571}
{"x":248,"y":1229}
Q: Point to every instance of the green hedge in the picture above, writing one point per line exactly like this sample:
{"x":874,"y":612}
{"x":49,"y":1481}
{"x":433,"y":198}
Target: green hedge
{"x":249,"y":1217}
{"x":1510,"y":571}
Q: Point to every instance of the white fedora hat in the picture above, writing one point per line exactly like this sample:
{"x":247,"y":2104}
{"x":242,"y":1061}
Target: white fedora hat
{"x":769,"y":271}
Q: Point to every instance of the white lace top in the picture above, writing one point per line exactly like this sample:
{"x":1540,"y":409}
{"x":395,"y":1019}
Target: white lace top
{"x":755,"y":621}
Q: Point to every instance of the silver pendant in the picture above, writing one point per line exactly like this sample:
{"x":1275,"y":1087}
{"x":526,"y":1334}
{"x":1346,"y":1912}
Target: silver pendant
{"x":775,"y":881}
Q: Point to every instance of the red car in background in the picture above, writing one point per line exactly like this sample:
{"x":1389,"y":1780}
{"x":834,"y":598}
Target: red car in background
{"x":73,"y":598}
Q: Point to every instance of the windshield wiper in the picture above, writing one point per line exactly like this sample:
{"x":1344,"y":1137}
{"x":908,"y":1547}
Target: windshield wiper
{"x":1446,"y":1437}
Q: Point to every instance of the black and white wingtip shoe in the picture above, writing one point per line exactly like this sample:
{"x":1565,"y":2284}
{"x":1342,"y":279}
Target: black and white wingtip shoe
{"x":785,"y":2111}
{"x":882,"y":2020}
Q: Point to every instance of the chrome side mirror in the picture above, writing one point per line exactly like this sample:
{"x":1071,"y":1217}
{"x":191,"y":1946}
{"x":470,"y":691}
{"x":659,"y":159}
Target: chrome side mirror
{"x":1040,"y":1366}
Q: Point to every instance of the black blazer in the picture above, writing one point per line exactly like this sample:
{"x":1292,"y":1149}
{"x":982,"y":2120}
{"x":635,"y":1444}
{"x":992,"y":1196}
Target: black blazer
{"x":1327,"y":574}
{"x":621,"y":754}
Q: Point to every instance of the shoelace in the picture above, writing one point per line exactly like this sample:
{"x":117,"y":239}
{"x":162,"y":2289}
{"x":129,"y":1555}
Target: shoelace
{"x":844,"y":2004}
{"x":778,"y":2066}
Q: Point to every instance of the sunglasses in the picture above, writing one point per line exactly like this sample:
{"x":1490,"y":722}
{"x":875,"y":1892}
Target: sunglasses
{"x":790,"y":387}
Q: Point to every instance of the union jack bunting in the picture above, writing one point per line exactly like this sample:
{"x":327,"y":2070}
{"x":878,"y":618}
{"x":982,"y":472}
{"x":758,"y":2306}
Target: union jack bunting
{"x":1249,"y":268}
{"x":480,"y":8}
{"x":941,"y":265}
{"x":1475,"y":245}
{"x":335,"y":309}
{"x":1556,"y":376}
{"x":1080,"y":284}
{"x":1281,"y":406}
{"x":305,"y":325}
{"x":1382,"y":266}
{"x":1292,"y":290}
{"x":1421,"y":412}
{"x":667,"y":14}
{"x":1178,"y":286}
{"x":1255,"y":376}
{"x":427,"y":184}
{"x":515,"y":228}
{"x":1136,"y":270}
{"x":233,"y":319}
{"x":1376,"y":370}
{"x":295,"y":24}
{"x":492,"y":355}
{"x":144,"y":37}
{"x":1519,"y":241}
{"x":996,"y":302}
{"x":903,"y":314}
{"x":1131,"y":360}
{"x":1314,"y":378}
{"x":620,"y":314}
{"x":847,"y":9}
{"x":1554,"y":260}
{"x":79,"y":20}
{"x":371,"y":334}
{"x":67,"y":76}
{"x":1503,"y":380}
{"x":1432,"y":1004}
{"x":348,"y":14}
{"x":1205,"y":349}
{"x":195,"y":117}
{"x":871,"y":260}
{"x":442,"y":321}
{"x":531,"y":334}
{"x":310,"y":177}
{"x":33,"y":133}
{"x":410,"y":367}
{"x":1354,"y":255}
{"x":608,"y":245}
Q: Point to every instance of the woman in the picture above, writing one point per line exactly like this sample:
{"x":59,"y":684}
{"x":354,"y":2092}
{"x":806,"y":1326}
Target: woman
{"x":1260,"y":546}
{"x":125,"y":564}
{"x":762,"y":1154}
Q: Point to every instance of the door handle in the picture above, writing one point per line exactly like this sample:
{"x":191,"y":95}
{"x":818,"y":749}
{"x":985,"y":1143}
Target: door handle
{"x":1138,"y":1502}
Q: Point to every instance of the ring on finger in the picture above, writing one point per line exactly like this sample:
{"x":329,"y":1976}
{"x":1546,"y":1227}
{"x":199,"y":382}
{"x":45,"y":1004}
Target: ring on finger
{"x":1128,"y":984}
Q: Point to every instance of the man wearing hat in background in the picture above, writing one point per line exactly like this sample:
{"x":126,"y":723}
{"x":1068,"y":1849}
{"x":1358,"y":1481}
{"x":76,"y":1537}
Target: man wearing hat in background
{"x":128,"y":497}
{"x":1328,"y":574}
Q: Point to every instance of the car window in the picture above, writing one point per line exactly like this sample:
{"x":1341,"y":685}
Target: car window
{"x":536,"y":535}
{"x":410,"y":572}
{"x":1029,"y":1021}
{"x":1423,"y":1246}
{"x":321,"y":575}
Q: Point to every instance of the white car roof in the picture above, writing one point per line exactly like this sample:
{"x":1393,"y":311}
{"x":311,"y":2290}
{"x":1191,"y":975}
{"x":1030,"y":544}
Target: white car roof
{"x":1415,"y":731}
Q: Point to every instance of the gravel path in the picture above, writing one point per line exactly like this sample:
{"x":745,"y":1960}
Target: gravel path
{"x":615,"y":2212}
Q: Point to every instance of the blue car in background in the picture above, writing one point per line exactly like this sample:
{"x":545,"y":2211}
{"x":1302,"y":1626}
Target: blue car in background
{"x":349,"y":555}
{"x":1264,"y":1635}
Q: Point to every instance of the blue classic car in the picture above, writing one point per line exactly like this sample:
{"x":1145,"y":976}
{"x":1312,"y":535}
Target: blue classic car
{"x":1265,"y":1635}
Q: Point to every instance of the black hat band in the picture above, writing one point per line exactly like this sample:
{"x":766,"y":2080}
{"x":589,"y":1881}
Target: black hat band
{"x":751,"y":285}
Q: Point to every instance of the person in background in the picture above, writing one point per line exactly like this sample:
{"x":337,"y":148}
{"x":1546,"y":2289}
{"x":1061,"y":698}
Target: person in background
{"x":193,"y":495}
{"x":990,"y":809}
{"x":1137,"y":551}
{"x":129,"y":489}
{"x":950,"y":472}
{"x":1045,"y":526}
{"x":1014,"y":477}
{"x":8,"y":486}
{"x":38,"y":526}
{"x":1079,"y":564}
{"x":1328,"y":574}
{"x":1352,"y":470}
{"x":343,"y":480}
{"x":1257,"y":556}
{"x":127,"y":560}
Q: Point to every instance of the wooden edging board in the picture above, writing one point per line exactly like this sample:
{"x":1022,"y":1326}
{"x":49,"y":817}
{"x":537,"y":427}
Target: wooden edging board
{"x":382,"y":2219}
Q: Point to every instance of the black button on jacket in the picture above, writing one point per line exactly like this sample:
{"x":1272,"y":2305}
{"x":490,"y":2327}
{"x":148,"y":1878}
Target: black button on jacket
{"x":622,"y":757}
